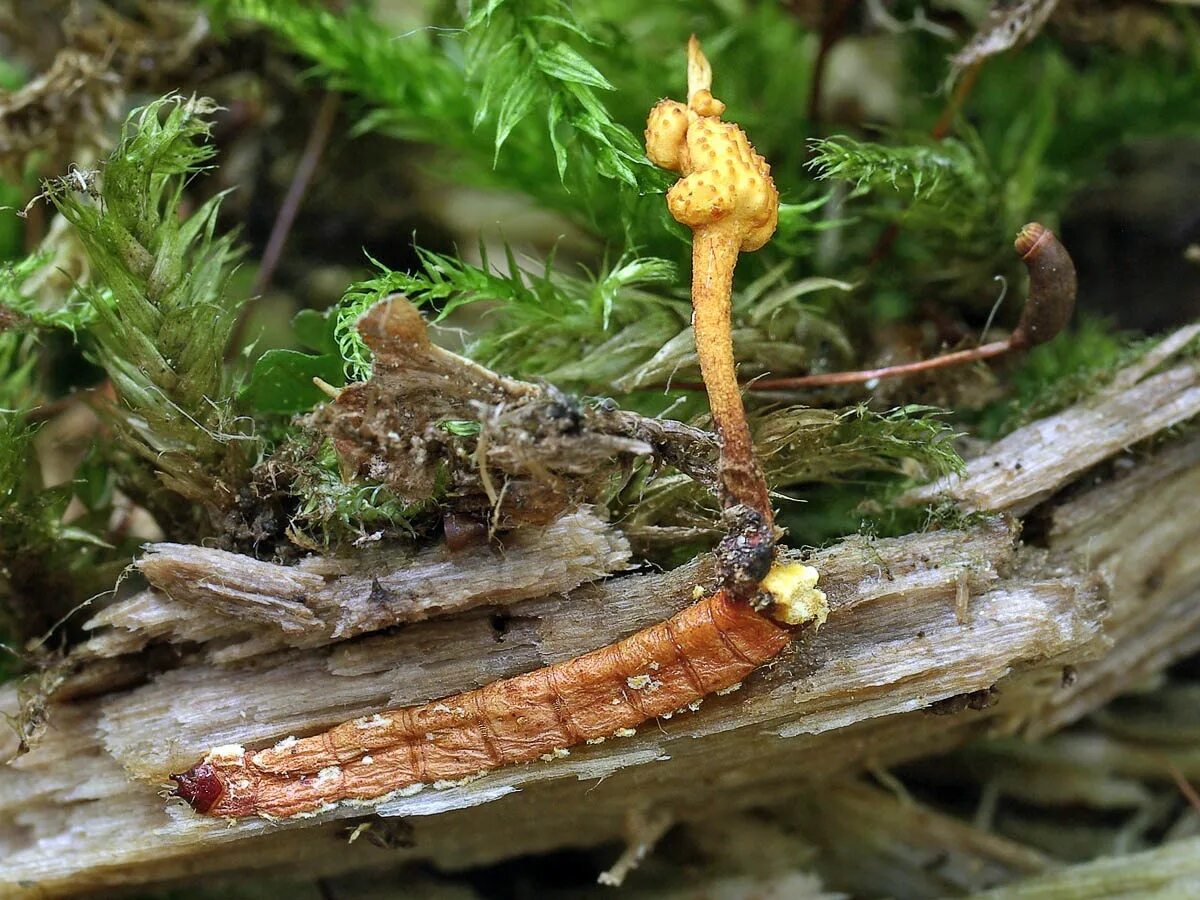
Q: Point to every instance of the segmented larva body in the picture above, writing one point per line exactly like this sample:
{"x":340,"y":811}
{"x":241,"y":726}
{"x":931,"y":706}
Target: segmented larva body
{"x":709,"y":646}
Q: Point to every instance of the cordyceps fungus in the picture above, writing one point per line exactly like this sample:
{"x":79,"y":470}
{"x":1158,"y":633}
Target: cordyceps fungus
{"x":726,"y":196}
{"x":661,"y":670}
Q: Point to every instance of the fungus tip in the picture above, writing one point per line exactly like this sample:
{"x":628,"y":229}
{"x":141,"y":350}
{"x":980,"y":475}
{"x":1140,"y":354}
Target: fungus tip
{"x":1029,"y":237}
{"x":794,"y":597}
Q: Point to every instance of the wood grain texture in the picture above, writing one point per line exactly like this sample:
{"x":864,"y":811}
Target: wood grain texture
{"x":243,"y":607}
{"x":83,"y":812}
{"x":1029,"y":465}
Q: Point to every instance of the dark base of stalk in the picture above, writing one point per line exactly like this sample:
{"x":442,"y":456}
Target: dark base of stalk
{"x":745,"y":554}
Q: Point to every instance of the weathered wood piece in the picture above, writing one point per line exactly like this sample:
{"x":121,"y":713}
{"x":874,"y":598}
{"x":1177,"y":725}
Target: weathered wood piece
{"x":1172,"y":870}
{"x":866,"y":836}
{"x":1029,"y":465}
{"x":242,"y":607}
{"x":893,"y":644}
{"x":1134,"y":531}
{"x":923,"y":624}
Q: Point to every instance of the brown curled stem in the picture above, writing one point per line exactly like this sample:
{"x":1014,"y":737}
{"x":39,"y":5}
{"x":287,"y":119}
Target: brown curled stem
{"x":1052,"y":286}
{"x":1048,"y":309}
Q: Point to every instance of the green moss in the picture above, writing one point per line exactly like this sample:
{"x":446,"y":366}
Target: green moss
{"x":332,"y":511}
{"x":158,"y":317}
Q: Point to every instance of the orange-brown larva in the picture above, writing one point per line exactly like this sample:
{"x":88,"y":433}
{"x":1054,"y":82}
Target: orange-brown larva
{"x":709,"y":646}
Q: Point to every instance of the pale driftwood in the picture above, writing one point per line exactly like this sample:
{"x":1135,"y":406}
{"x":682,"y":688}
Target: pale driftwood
{"x":244,"y":607}
{"x":421,"y":664}
{"x":1172,"y":870}
{"x":1137,"y":531}
{"x":1029,"y":465}
{"x":865,"y":837}
{"x":81,"y":811}
{"x":893,"y":644}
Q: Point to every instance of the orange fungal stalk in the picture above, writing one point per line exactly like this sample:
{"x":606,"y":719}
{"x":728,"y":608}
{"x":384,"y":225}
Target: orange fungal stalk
{"x":726,"y":196}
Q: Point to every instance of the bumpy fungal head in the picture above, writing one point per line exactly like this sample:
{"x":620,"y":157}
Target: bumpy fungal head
{"x":666,"y":133}
{"x":726,"y":184}
{"x":730,"y":185}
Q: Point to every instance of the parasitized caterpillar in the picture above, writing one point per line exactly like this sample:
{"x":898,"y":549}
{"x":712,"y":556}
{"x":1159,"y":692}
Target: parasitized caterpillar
{"x":727,"y":196}
{"x":708,"y":646}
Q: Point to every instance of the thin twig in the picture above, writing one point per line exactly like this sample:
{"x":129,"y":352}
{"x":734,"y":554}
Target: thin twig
{"x":962,"y":90}
{"x":1185,"y":787}
{"x":860,"y":376}
{"x":939,"y":132}
{"x":318,"y":137}
{"x":829,"y":379}
{"x":46,"y":411}
{"x":832,"y":28}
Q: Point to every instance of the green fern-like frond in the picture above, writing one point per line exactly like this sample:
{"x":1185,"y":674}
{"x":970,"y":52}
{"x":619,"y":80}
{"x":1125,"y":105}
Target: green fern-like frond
{"x":521,"y":54}
{"x":931,"y":173}
{"x":414,"y":87}
{"x":943,"y":186}
{"x":546,"y":322}
{"x":520,"y":61}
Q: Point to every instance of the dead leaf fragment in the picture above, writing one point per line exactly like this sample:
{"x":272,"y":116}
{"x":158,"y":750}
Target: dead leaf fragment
{"x":431,"y":424}
{"x":1008,"y":24}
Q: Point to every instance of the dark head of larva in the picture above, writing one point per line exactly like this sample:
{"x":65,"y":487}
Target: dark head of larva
{"x":745,"y":554}
{"x":200,"y":786}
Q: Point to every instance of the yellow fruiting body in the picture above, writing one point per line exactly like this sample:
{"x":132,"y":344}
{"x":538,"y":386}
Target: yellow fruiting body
{"x":726,"y":196}
{"x":795,"y":599}
{"x":726,"y":186}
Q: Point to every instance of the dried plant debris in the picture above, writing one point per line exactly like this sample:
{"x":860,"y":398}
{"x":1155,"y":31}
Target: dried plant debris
{"x":31,"y":717}
{"x":796,"y":446}
{"x":1131,"y":26}
{"x":433,"y":430}
{"x":431,"y":424}
{"x":64,"y":112}
{"x":1009,"y":23}
{"x":148,"y":42}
